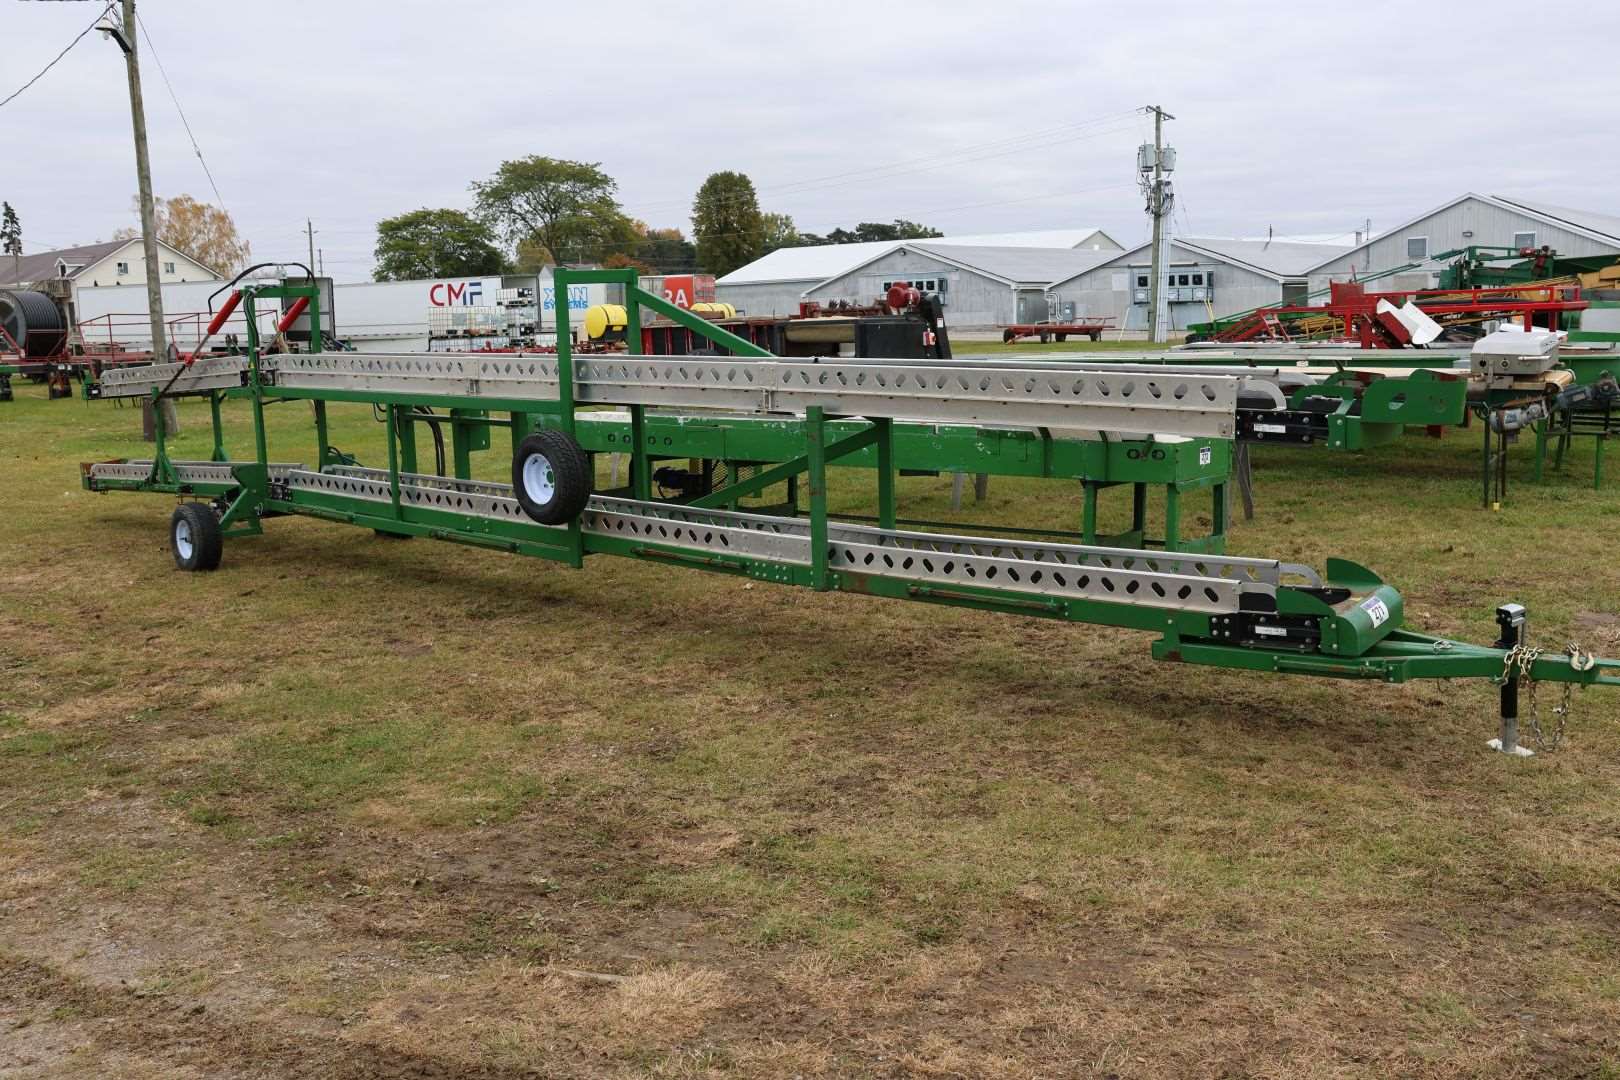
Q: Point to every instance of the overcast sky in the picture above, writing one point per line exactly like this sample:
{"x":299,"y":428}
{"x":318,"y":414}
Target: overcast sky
{"x":972,"y":117}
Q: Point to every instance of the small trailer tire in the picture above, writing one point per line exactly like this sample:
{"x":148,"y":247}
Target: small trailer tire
{"x":194,"y":537}
{"x":551,"y":477}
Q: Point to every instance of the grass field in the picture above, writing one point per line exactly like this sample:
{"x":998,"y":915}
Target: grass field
{"x":353,"y":807}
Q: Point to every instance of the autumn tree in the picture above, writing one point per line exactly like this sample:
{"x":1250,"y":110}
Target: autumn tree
{"x":552,"y":210}
{"x":435,"y":243}
{"x":726,"y":223}
{"x":196,"y":229}
{"x":668,"y":251}
{"x":662,"y":251}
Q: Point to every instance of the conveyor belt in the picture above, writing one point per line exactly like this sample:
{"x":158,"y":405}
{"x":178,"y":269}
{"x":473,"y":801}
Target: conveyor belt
{"x":1121,"y":575}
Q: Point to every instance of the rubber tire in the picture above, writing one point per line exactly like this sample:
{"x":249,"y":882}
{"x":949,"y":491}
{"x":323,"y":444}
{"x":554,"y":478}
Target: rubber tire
{"x":571,"y":476}
{"x":207,"y":544}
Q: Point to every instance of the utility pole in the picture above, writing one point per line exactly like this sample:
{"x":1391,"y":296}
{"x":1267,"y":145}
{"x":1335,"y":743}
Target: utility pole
{"x":124,"y":35}
{"x":309,"y":228}
{"x":143,"y":177}
{"x":320,"y":262}
{"x":1157,"y":160}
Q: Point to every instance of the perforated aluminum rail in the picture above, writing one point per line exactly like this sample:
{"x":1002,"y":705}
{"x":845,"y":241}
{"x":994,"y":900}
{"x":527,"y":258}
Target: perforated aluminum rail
{"x":1119,"y":575}
{"x":218,"y":373}
{"x":1096,"y":398}
{"x":186,"y":472}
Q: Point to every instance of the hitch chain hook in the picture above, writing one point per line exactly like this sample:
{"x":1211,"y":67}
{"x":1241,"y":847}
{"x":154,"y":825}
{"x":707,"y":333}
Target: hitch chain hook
{"x":1524,"y":657}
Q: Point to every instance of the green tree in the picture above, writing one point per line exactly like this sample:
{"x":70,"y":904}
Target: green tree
{"x":552,"y":210}
{"x":899,"y":229}
{"x":726,"y":223}
{"x":11,"y":237}
{"x":435,"y":243}
{"x":780,"y":232}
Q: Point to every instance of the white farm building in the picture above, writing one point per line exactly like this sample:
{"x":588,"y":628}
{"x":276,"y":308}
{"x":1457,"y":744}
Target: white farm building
{"x":776,"y":283}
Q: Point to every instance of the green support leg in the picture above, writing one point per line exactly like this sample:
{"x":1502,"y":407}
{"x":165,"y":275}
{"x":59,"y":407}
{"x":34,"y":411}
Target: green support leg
{"x":815,"y":428}
{"x":885,"y":471}
{"x":219,"y":427}
{"x":640,"y":463}
{"x":393,"y":460}
{"x":461,"y":444}
{"x":405,"y":432}
{"x":522,"y":424}
{"x":1088,"y":512}
{"x":1172,"y":519}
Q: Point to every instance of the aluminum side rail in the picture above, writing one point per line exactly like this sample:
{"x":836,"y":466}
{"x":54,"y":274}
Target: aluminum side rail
{"x":217,"y":373}
{"x":1191,"y":404}
{"x":1212,"y":584}
{"x":185,"y":472}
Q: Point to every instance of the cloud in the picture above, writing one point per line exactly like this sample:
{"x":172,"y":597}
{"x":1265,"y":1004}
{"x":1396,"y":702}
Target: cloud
{"x":1306,"y":117}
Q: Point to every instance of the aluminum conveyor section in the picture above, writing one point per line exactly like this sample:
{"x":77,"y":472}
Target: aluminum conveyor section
{"x":1205,"y":583}
{"x":185,"y":472}
{"x":1096,"y":398}
{"x":1133,"y":399}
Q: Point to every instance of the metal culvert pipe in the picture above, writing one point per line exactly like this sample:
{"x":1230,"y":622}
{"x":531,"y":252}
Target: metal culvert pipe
{"x":33,"y":320}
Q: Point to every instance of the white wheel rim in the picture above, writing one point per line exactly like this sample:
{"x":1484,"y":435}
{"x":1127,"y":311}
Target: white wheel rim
{"x":539,"y":481}
{"x":182,"y":538}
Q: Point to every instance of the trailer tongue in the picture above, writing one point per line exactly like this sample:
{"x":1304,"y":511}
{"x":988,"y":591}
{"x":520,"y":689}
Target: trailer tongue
{"x":1246,"y":613}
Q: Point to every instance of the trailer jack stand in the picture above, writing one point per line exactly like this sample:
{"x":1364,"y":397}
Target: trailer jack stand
{"x":1510,"y":618}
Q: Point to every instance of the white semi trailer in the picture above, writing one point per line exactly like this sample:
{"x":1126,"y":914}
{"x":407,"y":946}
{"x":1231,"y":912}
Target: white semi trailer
{"x":372,"y":316}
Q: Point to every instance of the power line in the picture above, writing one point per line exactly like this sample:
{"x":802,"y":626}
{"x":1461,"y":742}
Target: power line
{"x":183,"y":121}
{"x":59,"y":56}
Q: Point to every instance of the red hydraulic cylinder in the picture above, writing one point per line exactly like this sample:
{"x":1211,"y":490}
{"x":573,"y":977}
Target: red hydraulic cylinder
{"x":292,"y":314}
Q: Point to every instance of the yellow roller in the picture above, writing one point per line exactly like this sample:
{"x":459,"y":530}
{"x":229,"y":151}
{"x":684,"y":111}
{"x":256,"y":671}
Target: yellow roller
{"x":604,"y":321}
{"x":714,"y":311}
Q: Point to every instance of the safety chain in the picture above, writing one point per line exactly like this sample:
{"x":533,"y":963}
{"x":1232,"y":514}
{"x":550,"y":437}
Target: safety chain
{"x":1524,"y":658}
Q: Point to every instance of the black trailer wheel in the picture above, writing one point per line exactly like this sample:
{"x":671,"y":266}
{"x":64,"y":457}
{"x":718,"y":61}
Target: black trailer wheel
{"x":1063,"y":337}
{"x":551,"y":476}
{"x":194,"y":537}
{"x":1046,"y":336}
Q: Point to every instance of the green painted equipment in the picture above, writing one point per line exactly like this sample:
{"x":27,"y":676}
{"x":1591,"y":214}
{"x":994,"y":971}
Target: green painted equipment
{"x":773,"y":422}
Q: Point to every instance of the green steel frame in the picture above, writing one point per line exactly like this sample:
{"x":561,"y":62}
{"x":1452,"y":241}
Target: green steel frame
{"x":1347,"y":626}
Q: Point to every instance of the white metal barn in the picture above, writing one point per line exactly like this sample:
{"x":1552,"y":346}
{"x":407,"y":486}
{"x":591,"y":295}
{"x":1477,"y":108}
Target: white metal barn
{"x":1206,"y":278}
{"x":1469,"y":219}
{"x":981,"y":286}
{"x":774,"y":284}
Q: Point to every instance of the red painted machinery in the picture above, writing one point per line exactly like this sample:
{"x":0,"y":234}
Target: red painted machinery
{"x":1375,"y":320}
